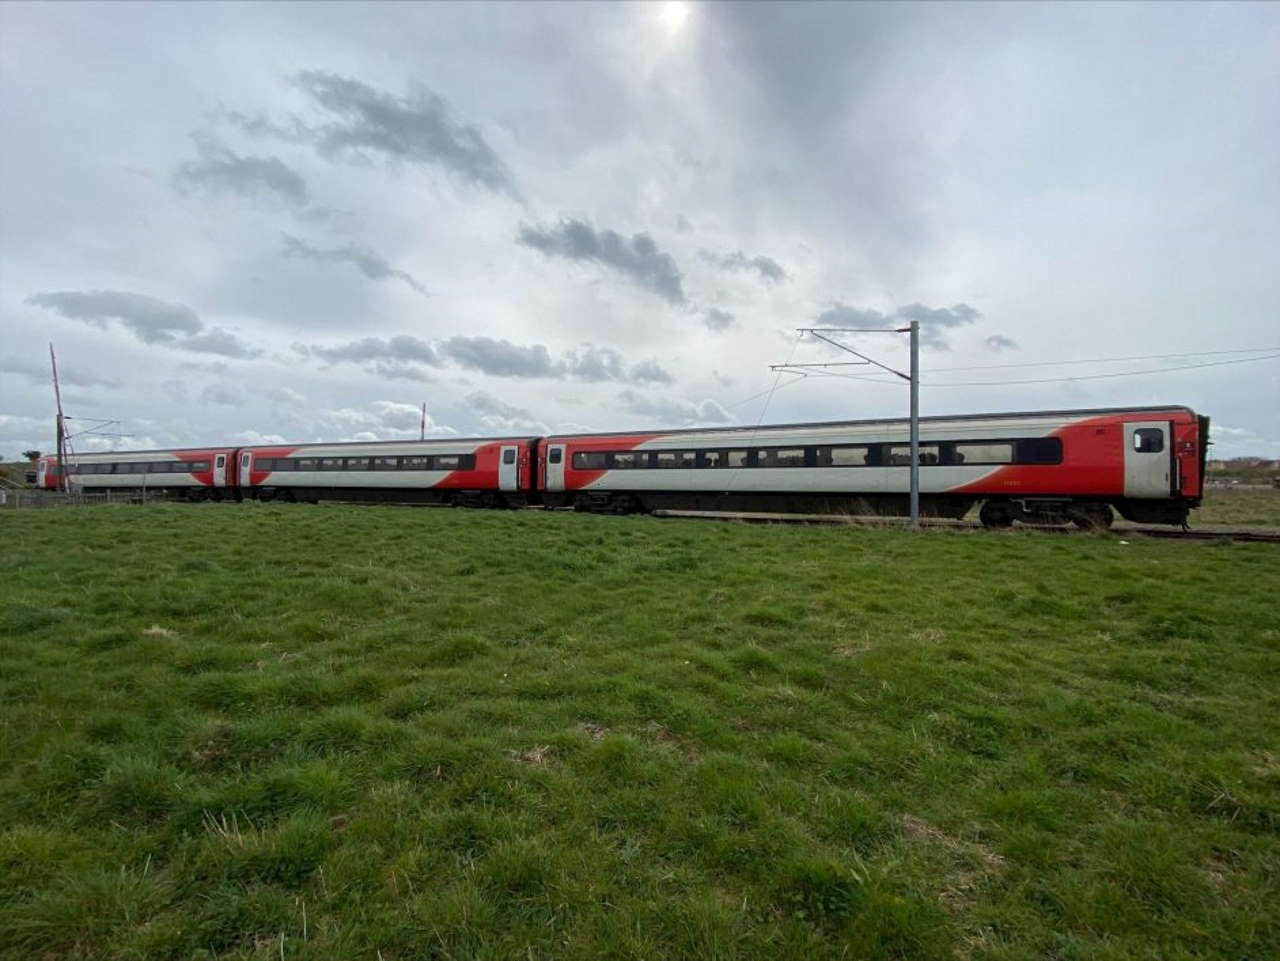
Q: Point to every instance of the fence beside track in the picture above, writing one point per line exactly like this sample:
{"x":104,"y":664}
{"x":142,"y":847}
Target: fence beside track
{"x":17,"y":499}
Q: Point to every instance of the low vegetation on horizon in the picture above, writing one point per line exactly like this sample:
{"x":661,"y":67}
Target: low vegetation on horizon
{"x":266,"y":731}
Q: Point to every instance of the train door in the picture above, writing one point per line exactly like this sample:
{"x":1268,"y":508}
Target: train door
{"x":220,"y":470}
{"x":508,"y":469}
{"x":42,"y":470}
{"x":1148,"y":459}
{"x":246,"y":462}
{"x":555,"y":467}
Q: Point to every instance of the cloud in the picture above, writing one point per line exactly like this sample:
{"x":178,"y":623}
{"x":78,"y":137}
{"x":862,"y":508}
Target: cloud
{"x":287,"y":396}
{"x":638,"y":258}
{"x":770,"y":270}
{"x":255,"y":439}
{"x":496,"y":415}
{"x":417,"y":129}
{"x":399,"y":356}
{"x":151,"y":320}
{"x":933,"y":320}
{"x":66,"y":374}
{"x":380,"y":420}
{"x":221,"y":171}
{"x":999,"y":342}
{"x":221,"y":395}
{"x":219,"y":341}
{"x":717,"y":319}
{"x":368,"y":262}
{"x":501,"y":358}
{"x":671,"y":410}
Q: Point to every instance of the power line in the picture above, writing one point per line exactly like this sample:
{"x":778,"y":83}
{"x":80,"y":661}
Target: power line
{"x":1110,"y":360}
{"x":1125,"y":373}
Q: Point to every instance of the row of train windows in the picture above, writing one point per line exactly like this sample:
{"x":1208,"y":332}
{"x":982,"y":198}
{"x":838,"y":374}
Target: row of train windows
{"x":1035,"y":450}
{"x":417,"y":462}
{"x":143,"y":467}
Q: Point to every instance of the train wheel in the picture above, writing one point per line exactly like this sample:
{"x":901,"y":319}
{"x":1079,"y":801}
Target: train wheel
{"x":1093,"y":517}
{"x":996,"y":515}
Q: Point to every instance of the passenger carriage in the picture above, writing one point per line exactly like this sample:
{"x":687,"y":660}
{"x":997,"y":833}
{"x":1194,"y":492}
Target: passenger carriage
{"x":1052,"y":466}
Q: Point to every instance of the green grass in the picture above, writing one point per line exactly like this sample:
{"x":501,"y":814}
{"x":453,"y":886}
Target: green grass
{"x":254,"y":731}
{"x":1245,"y":507}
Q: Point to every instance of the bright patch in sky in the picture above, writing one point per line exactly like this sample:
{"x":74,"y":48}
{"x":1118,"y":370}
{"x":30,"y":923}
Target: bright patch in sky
{"x":673,"y":16}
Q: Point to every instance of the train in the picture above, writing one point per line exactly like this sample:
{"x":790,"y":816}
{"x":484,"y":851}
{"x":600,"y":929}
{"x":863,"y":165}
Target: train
{"x":1042,"y":467}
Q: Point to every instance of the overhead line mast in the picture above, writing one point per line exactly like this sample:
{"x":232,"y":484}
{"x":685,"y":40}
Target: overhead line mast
{"x":61,"y":425}
{"x":912,"y":378}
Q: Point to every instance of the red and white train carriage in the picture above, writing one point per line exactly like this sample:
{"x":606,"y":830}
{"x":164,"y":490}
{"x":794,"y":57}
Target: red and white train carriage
{"x":477,"y":472}
{"x":1050,"y":466}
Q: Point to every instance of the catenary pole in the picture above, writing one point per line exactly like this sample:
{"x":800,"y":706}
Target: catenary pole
{"x":915,"y":424}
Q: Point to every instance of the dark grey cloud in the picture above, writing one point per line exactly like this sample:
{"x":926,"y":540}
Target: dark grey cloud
{"x":67,"y":374}
{"x":221,"y":171}
{"x":401,"y":356}
{"x":216,"y":340}
{"x":770,"y":270}
{"x":933,"y":320}
{"x":151,"y":320}
{"x":501,"y":358}
{"x":368,"y":262}
{"x":717,"y":319}
{"x":418,"y":128}
{"x":638,"y":258}
{"x":674,"y":411}
{"x":999,"y":342}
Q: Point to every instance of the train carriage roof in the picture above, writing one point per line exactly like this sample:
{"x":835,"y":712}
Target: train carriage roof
{"x":932,"y":419}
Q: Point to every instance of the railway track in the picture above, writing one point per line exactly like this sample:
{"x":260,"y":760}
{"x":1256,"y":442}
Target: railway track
{"x":836,"y":520}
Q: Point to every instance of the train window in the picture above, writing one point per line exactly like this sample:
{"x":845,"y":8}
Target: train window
{"x":1039,"y":450}
{"x":737,"y":458}
{"x":710,"y":458}
{"x":331,"y":463}
{"x":1148,"y":440}
{"x":445,"y":461}
{"x":900,"y":455}
{"x":983,"y":453}
{"x":357,"y":463}
{"x":466,"y":462}
{"x":305,"y":463}
{"x":414,"y":463}
{"x":509,"y":456}
{"x":263,"y":463}
{"x":780,"y":457}
{"x":588,"y":460}
{"x":667,"y":459}
{"x":842,"y":456}
{"x":556,"y":455}
{"x":629,"y":459}
{"x":386,"y":463}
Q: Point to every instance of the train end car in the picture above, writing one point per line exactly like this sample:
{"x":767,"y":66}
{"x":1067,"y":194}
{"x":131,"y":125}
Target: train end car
{"x":1048,"y":467}
{"x":205,"y":473}
{"x":469,"y":472}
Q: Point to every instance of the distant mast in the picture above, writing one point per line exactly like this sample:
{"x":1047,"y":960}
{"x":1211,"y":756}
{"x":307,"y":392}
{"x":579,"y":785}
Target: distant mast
{"x":61,"y":426}
{"x":422,"y":428}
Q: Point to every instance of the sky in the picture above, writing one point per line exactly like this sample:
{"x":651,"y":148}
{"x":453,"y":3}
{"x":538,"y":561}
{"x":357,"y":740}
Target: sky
{"x":244,"y":223}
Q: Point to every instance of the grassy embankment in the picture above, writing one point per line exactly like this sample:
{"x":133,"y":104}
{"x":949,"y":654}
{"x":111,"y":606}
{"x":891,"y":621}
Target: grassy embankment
{"x":242,"y":732}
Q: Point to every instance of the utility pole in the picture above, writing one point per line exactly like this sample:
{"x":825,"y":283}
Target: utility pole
{"x":61,"y":427}
{"x":915,"y":425}
{"x":422,"y":427}
{"x":912,"y":378}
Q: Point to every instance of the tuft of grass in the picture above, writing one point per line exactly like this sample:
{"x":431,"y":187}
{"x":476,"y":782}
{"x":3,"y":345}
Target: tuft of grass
{"x":318,"y":732}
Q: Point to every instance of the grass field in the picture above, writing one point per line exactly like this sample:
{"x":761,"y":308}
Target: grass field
{"x":1242,"y":507}
{"x":321,"y":732}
